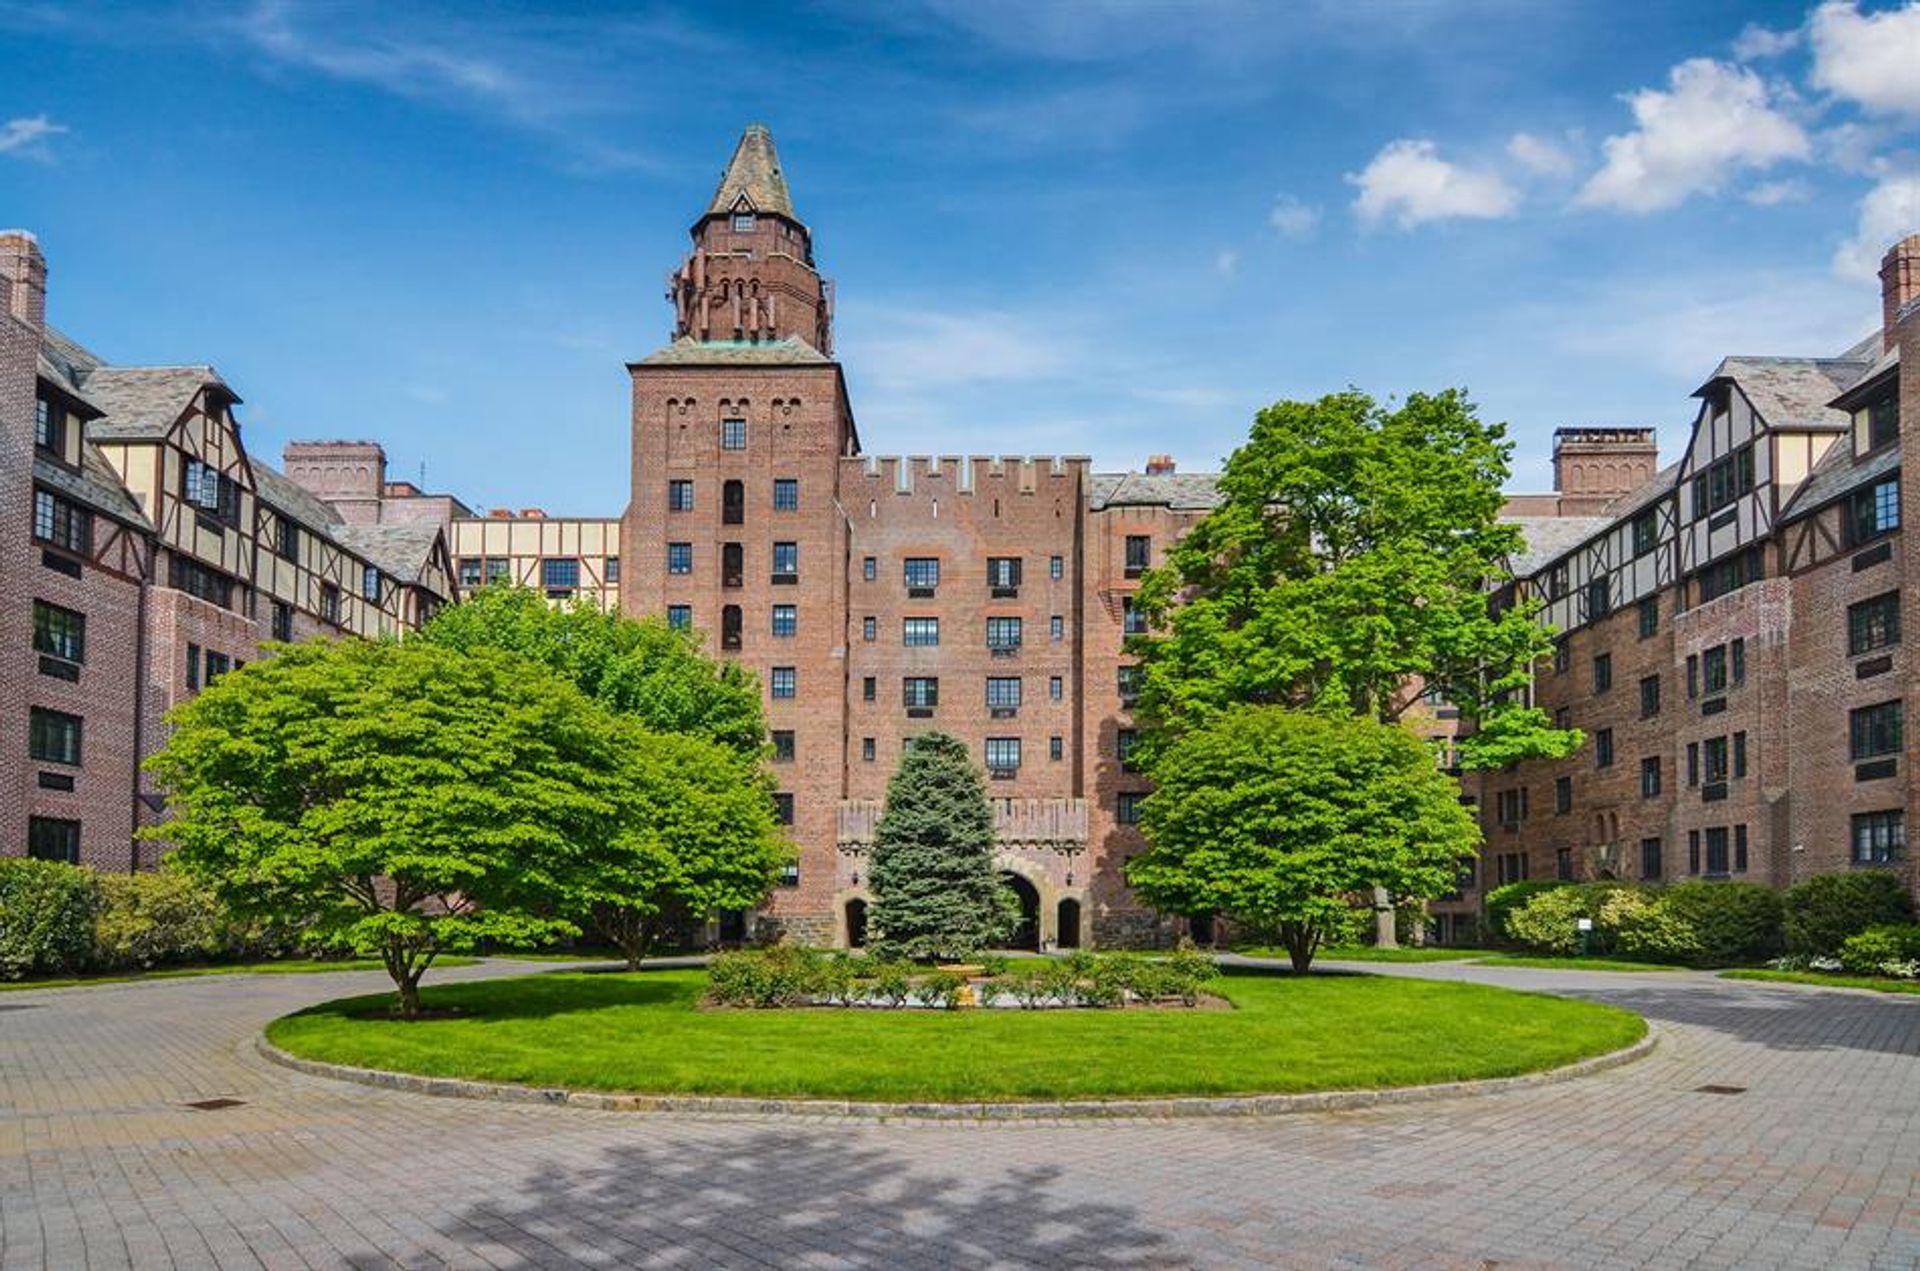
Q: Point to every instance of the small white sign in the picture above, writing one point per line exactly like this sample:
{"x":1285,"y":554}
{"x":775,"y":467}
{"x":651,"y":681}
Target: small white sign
{"x":1583,"y":924}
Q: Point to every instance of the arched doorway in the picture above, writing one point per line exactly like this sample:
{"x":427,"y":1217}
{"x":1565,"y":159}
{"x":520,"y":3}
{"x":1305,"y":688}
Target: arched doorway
{"x":1069,"y":924}
{"x":856,"y":923}
{"x":1027,"y":934}
{"x":1200,"y":928}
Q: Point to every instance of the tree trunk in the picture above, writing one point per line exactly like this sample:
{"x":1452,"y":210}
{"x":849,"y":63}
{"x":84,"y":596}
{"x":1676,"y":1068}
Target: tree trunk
{"x":410,"y":996}
{"x":1302,"y":943}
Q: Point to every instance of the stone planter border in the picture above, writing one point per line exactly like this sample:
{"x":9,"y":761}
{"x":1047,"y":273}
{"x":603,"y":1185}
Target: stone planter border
{"x":1035,"y":1110}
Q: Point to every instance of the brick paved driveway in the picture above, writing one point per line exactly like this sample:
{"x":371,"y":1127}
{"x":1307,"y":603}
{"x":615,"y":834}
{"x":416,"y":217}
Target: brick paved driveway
{"x":1814,"y":1166}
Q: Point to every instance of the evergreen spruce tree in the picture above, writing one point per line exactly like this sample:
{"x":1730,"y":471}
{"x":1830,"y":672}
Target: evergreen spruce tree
{"x":935,"y":891}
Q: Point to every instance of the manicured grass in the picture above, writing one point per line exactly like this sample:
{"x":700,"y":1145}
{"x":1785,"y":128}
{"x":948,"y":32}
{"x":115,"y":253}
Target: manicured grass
{"x":1827,"y":981}
{"x":644,"y":1033}
{"x":1367,"y":953}
{"x":285,"y":966}
{"x":1572,"y":964}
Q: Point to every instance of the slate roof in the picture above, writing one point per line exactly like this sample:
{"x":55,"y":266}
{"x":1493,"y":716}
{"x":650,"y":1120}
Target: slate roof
{"x":1187,"y":492}
{"x":401,"y":548}
{"x":1648,"y":491}
{"x":1838,"y":472}
{"x":690,"y":352}
{"x":140,"y":403}
{"x":1793,"y":392}
{"x":283,"y":494}
{"x":755,"y":172}
{"x":1550,"y":537}
{"x":96,"y":485}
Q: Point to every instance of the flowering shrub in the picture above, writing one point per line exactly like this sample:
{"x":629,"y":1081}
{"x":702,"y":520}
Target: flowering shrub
{"x":788,"y":975}
{"x":1871,"y":951}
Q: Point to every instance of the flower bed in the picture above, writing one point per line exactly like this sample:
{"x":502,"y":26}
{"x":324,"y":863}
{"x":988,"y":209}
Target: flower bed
{"x":791,"y":976}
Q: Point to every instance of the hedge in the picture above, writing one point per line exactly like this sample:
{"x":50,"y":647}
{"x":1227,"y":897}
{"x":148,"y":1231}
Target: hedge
{"x":1503,"y":900}
{"x":46,"y":917}
{"x":1707,"y":923}
{"x":1824,"y":911}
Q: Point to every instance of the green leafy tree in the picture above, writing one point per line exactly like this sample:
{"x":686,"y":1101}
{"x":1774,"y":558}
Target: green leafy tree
{"x":405,"y":799}
{"x":641,"y":668}
{"x":1279,"y":818}
{"x":700,"y":837}
{"x":936,"y":893}
{"x":1352,"y":561}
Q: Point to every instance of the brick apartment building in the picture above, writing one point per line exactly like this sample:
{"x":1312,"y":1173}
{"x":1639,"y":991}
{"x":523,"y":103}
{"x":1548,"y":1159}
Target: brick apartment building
{"x":1711,"y":610}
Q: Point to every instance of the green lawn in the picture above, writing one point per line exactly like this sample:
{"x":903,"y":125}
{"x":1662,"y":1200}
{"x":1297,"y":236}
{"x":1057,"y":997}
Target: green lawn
{"x":643,"y":1033}
{"x":1367,"y":953}
{"x":285,"y":966}
{"x":1571,"y":963}
{"x":1828,"y":981}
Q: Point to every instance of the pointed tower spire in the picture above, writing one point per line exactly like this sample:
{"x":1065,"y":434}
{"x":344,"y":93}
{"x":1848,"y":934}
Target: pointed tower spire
{"x":753,"y":175}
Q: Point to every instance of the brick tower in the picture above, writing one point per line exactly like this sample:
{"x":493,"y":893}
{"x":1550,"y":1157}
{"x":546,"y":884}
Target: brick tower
{"x":733,"y":529}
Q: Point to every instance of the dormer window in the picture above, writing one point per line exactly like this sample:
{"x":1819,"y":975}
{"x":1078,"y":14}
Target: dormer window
{"x":743,"y":222}
{"x":49,"y":426}
{"x":1882,"y":417}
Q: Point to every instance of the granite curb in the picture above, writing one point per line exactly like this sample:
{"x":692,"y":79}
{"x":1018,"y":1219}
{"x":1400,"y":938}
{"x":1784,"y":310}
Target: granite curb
{"x":1037,"y":1110}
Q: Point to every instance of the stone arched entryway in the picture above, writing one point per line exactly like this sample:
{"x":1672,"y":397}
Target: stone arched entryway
{"x":1027,"y":934}
{"x":1067,"y":923}
{"x":854,"y":919}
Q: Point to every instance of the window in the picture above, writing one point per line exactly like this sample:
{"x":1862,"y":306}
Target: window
{"x":1003,"y":756}
{"x":1722,"y":483}
{"x":330,"y":603}
{"x":786,"y":620}
{"x":1649,"y":696}
{"x":1693,"y":851}
{"x":919,"y":633}
{"x":782,"y":680}
{"x":1511,"y":867}
{"x":869,"y":568}
{"x":1882,"y":417}
{"x":1717,"y":849}
{"x":1562,"y":795}
{"x":733,"y":568}
{"x":1693,"y":763}
{"x":1731,"y":574}
{"x":868,"y":750}
{"x":869,"y":687}
{"x":783,"y":811}
{"x":1737,"y":656}
{"x":1511,"y":806}
{"x":1739,"y":849}
{"x":1646,"y":532}
{"x":679,"y":558}
{"x":1003,"y":576}
{"x":49,"y":425}
{"x":733,"y":434}
{"x":1879,"y":838}
{"x":1713,"y":757}
{"x":53,"y":736}
{"x":1133,"y":619}
{"x":1649,"y":859}
{"x":1129,"y":678}
{"x":470,"y":571}
{"x":920,"y":692}
{"x":1056,"y":748}
{"x":733,"y":503}
{"x":1126,"y":807}
{"x":1739,"y":755}
{"x":282,"y":621}
{"x":1003,"y":634}
{"x":1139,"y":554}
{"x":286,"y":541}
{"x":1602,"y":672}
{"x":370,"y":583}
{"x":1693,"y":676}
{"x":1603,"y":748}
{"x":53,"y":839}
{"x":1873,"y":624}
{"x":59,"y":633}
{"x":1650,"y":777}
{"x":218,"y":664}
{"x":1557,"y":582}
{"x":560,"y":575}
{"x":1003,"y":692}
{"x":1056,"y":688}
{"x":786,"y":562}
{"x":1562,"y":656}
{"x":210,"y":492}
{"x":680,"y":617}
{"x":869,"y":628}
{"x":610,"y":569}
{"x":1599,"y":598}
{"x":1125,"y":742}
{"x":499,"y":570}
{"x":1713,"y":669}
{"x":743,"y":222}
{"x":1649,"y":617}
{"x":1563,"y":864}
{"x":1873,"y":511}
{"x":680,"y":495}
{"x":786,"y":494}
{"x":922,"y":574}
{"x":1056,"y":568}
{"x":1875,"y":730}
{"x":730,"y":634}
{"x":204,"y":581}
{"x":1057,"y":628}
{"x":783,"y":745}
{"x":61,"y":523}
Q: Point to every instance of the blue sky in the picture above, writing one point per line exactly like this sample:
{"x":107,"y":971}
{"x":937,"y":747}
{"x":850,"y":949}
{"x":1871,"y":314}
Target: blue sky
{"x":1112,"y":227}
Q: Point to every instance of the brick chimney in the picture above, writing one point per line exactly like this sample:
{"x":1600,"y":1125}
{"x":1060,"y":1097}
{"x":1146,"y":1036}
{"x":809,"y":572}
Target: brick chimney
{"x":24,"y":270}
{"x":1899,"y":287}
{"x":1160,"y":465}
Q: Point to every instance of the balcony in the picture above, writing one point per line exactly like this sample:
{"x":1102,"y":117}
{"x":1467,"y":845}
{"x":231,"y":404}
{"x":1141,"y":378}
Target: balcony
{"x":1056,"y":824}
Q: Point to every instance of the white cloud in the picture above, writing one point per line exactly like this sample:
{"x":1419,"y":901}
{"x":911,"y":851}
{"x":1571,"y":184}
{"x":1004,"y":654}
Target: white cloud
{"x":1409,"y":182}
{"x":1755,"y":42}
{"x":27,"y":137}
{"x":1538,"y":155}
{"x":1889,"y":213}
{"x":1872,"y":59}
{"x":1774,"y":193}
{"x":1714,"y":119}
{"x":920,"y":349}
{"x":1226,"y":262}
{"x":1291,"y":218}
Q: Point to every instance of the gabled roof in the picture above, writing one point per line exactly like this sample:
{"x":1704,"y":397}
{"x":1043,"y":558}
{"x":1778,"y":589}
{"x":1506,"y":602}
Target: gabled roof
{"x":1647,"y":492}
{"x":401,"y":548}
{"x":1550,"y":537}
{"x":1793,"y":392}
{"x":1838,"y":472}
{"x":286,"y":496}
{"x":96,"y":485}
{"x":690,"y":352}
{"x":140,"y":403}
{"x":753,"y":173}
{"x":1186,"y":492}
